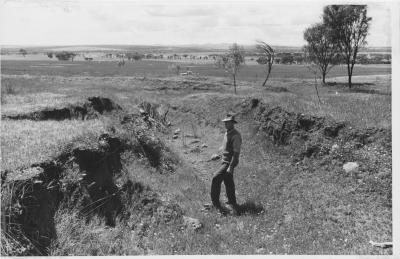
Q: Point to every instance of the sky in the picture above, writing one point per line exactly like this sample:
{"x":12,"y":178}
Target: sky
{"x":178,"y":22}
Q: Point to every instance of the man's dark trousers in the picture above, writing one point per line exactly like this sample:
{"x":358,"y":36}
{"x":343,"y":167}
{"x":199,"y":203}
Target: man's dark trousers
{"x":223,"y":176}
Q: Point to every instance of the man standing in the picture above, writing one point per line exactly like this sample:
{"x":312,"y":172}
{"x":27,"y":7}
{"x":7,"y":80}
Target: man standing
{"x":230,"y":159}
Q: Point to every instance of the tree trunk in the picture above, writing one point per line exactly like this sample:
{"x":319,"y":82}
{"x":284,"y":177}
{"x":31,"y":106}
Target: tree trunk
{"x":234,"y":82}
{"x":266,"y":79}
{"x":323,"y":78}
{"x":349,"y":73}
{"x":349,"y":81}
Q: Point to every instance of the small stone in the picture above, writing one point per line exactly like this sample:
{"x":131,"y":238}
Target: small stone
{"x":350,"y":167}
{"x":204,"y":146}
{"x":194,"y":141}
{"x":334,"y":147}
{"x":260,"y":250}
{"x":207,"y":206}
{"x":192,"y":223}
{"x":177,"y":131}
{"x":195,"y":150}
{"x":175,"y":136}
{"x":142,"y":111}
{"x":215,"y":157}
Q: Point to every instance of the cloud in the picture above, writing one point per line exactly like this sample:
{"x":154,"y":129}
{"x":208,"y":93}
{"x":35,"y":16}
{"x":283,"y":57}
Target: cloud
{"x":132,"y":22}
{"x":180,"y":11}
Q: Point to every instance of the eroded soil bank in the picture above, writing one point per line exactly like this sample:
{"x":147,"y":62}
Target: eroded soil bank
{"x":90,"y":109}
{"x":87,"y":179}
{"x":91,"y":179}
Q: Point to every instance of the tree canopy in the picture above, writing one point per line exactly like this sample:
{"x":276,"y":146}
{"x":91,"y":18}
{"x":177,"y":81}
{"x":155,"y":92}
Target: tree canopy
{"x":267,"y":56}
{"x":349,"y":25}
{"x":232,"y":61}
{"x":65,"y":55}
{"x":320,"y":51}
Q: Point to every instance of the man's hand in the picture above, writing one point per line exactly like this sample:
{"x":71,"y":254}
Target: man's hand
{"x":229,"y":170}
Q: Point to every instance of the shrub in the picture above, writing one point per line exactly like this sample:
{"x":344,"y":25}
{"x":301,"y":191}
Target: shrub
{"x":65,"y":55}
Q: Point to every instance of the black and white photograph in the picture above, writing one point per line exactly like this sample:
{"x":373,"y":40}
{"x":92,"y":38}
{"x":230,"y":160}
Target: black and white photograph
{"x":226,"y":127}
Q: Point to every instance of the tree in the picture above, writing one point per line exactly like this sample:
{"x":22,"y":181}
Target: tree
{"x":320,"y":49}
{"x":50,"y":54}
{"x":267,"y":57}
{"x":349,"y":25}
{"x":286,"y":58}
{"x":65,"y":55}
{"x":232,"y":61}
{"x":23,"y":52}
{"x":135,"y":56}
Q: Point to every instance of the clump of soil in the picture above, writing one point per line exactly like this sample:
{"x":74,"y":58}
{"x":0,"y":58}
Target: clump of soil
{"x":283,"y":126}
{"x":319,"y":142}
{"x":30,"y":202}
{"x":90,"y":109}
{"x":156,"y":113}
{"x":310,"y":135}
{"x":88,"y":179}
{"x":145,"y":142}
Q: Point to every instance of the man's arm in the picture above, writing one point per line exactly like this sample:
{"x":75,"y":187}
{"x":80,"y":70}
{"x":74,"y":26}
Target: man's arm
{"x":234,"y":162}
{"x":237,"y":142}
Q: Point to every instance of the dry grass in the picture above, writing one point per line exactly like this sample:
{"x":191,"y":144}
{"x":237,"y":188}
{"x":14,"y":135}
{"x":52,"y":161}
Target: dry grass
{"x":359,"y":108}
{"x":313,"y":209}
{"x":27,"y":142}
{"x":307,"y":210}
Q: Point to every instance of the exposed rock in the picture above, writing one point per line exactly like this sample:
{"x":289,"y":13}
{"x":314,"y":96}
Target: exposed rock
{"x":215,"y":157}
{"x":175,"y":136}
{"x":142,"y":111}
{"x":334,"y":147}
{"x":350,"y":167}
{"x":192,"y":223}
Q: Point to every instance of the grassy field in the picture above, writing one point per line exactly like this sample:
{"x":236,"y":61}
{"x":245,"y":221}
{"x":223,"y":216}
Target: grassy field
{"x":312,"y":207}
{"x":160,"y":68}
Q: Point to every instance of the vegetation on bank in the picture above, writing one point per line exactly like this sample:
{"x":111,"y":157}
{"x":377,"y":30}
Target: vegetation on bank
{"x":135,"y":165}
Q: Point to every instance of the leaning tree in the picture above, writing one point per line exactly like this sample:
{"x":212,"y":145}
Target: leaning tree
{"x":320,"y":52}
{"x":349,"y":24}
{"x":232,"y":61}
{"x":267,"y":56}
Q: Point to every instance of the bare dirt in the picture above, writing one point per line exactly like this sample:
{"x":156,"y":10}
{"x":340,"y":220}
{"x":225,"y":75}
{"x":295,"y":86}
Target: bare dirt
{"x":87,"y":178}
{"x":90,"y":109}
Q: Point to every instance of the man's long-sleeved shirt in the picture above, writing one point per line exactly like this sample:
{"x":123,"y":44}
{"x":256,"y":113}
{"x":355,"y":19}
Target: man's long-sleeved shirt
{"x":231,"y":145}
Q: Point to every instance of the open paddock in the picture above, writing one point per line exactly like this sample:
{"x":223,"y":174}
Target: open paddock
{"x":254,"y":73}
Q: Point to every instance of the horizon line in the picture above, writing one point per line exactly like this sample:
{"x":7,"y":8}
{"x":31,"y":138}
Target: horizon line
{"x":158,"y":45}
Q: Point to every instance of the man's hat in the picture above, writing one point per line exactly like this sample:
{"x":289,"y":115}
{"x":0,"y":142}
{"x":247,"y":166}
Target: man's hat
{"x":230,"y":117}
